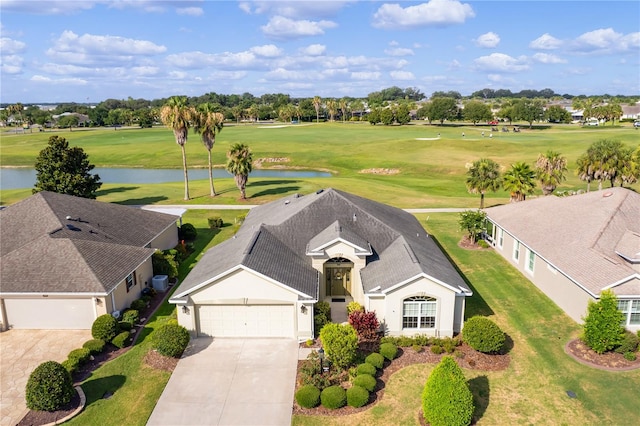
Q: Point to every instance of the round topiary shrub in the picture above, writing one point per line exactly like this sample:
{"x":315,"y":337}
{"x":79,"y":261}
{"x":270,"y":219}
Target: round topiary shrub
{"x":446,"y":398}
{"x":82,"y":355}
{"x":187,"y":232}
{"x":124,"y":326}
{"x":308,"y":396}
{"x":483,"y":335}
{"x":375,"y":359}
{"x":95,"y":346}
{"x":629,"y":343}
{"x":366,"y":368}
{"x":357,"y":396}
{"x":170,"y":340}
{"x":388,"y":350}
{"x":138,"y":305}
{"x":333,"y":397}
{"x":105,"y":327}
{"x":71,"y":365}
{"x":630,"y":356}
{"x":121,"y":340}
{"x":367,"y":381}
{"x":132,"y":316}
{"x":49,"y":387}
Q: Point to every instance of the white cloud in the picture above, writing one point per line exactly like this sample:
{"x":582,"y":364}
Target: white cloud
{"x":11,"y":64}
{"x":190,"y":11}
{"x":267,"y":50}
{"x":606,"y":40}
{"x":488,"y":40}
{"x":402,"y":75}
{"x":454,"y":65}
{"x":280,"y":27}
{"x":229,"y":75}
{"x":294,"y":9}
{"x":499,"y":62}
{"x":399,"y":51}
{"x":284,"y":74}
{"x":145,"y":71}
{"x":44,"y":79}
{"x":548,"y":58}
{"x":226,"y":60}
{"x":313,"y":50}
{"x":50,"y":7}
{"x":365,"y":75}
{"x":433,"y":13}
{"x":9,"y":46}
{"x":545,"y":42}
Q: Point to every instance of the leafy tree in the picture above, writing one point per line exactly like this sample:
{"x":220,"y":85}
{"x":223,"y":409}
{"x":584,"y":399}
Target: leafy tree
{"x":474,"y":222}
{"x":550,"y":171}
{"x":528,"y":110}
{"x":602,"y":330}
{"x":176,"y":115}
{"x":386,"y":116}
{"x":69,"y":121}
{"x":402,"y":114}
{"x":519,"y":180}
{"x":239,"y":164}
{"x":144,"y":117}
{"x":442,"y":109}
{"x":374,"y":116}
{"x":557,"y":114}
{"x":340,"y":342}
{"x":507,"y":112}
{"x":207,"y":121}
{"x":446,"y":398}
{"x":317,"y":102}
{"x":476,"y":111}
{"x":604,"y":160}
{"x":483,"y":176}
{"x":65,"y":170}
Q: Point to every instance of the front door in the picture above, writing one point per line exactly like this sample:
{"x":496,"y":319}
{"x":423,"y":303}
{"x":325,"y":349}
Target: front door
{"x":338,"y":281}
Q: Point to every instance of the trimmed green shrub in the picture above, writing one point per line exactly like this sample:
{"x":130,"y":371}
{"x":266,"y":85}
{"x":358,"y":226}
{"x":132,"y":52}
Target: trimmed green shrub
{"x":71,"y":365}
{"x":95,"y":346}
{"x":388,"y":350}
{"x":333,"y":397}
{"x":104,"y":328}
{"x":340,"y":342}
{"x":187,"y":232}
{"x":82,"y":355}
{"x":449,"y":344}
{"x":49,"y":387}
{"x":164,"y":264}
{"x":121,"y":340}
{"x":417,"y":348}
{"x":215,"y":222}
{"x":170,"y":340}
{"x":322,"y":308}
{"x":319,"y":321}
{"x":357,"y":396}
{"x":602,"y":330}
{"x":483,"y":335}
{"x":367,"y":381}
{"x":308,"y":396}
{"x":446,"y":398}
{"x":629,"y":343}
{"x":138,"y":305}
{"x":366,"y":368}
{"x":375,"y":360}
{"x":124,"y":326}
{"x":132,"y":316}
{"x":353,"y":307}
{"x":436,"y":349}
{"x":630,"y":356}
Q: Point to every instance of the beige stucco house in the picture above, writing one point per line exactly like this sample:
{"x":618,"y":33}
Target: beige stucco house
{"x":66,"y":260}
{"x":328,"y":246}
{"x":573,"y":248}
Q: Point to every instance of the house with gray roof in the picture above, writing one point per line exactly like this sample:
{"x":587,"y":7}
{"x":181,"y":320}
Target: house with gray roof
{"x":65,"y":260}
{"x":573,"y":248}
{"x":327,"y":246}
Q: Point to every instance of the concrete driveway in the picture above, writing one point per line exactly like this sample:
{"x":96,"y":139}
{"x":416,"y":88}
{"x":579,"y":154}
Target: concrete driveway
{"x":231,"y":382}
{"x":21,"y":351}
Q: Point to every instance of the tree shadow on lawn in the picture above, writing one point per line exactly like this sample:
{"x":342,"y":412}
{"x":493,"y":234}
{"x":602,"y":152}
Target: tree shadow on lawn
{"x":481,"y":391}
{"x":115,"y":190}
{"x":275,"y":191}
{"x":102,"y":388}
{"x":272,"y":182}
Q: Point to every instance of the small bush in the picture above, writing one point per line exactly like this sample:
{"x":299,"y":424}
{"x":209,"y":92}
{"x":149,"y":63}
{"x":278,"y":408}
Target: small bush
{"x":449,"y":344}
{"x":124,"y":326}
{"x":483,"y":244}
{"x":375,"y":359}
{"x":121,"y":340}
{"x":366,"y":368}
{"x":82,"y":355}
{"x":170,"y":340}
{"x":388,"y":350}
{"x":357,"y":396}
{"x":630,"y":356}
{"x":308,"y":396}
{"x":333,"y":397}
{"x":483,"y":335}
{"x":71,"y":365}
{"x":417,"y":348}
{"x":353,"y":307}
{"x":164,"y":264}
{"x":138,"y":305}
{"x":132,"y":316}
{"x":104,"y":328}
{"x":340,"y":342}
{"x":367,"y":381}
{"x":365,"y":323}
{"x":319,"y":321}
{"x":215,"y":222}
{"x":187,"y":232}
{"x":95,"y":346}
{"x":309,"y":342}
{"x":446,"y":398}
{"x":49,"y":387}
{"x":322,"y":308}
{"x":629,"y":343}
{"x":436,"y":349}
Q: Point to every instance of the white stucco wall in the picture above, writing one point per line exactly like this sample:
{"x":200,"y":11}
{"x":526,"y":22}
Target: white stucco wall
{"x":340,"y":249}
{"x":167,"y":239}
{"x":121,"y":297}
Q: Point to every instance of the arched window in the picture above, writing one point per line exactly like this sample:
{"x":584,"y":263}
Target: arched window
{"x":419,"y":312}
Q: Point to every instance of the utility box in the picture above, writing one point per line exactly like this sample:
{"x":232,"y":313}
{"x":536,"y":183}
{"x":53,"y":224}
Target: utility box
{"x":160,"y":282}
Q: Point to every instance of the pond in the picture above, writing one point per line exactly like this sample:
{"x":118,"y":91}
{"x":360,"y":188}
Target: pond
{"x":24,"y":177}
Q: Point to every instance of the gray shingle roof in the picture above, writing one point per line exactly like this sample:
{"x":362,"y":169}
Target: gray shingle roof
{"x":41,"y":251}
{"x":275,"y":237}
{"x":335,"y":232}
{"x":580,"y":234}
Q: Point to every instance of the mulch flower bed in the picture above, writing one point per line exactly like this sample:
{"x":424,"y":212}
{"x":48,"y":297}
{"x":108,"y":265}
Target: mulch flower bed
{"x":611,"y":361}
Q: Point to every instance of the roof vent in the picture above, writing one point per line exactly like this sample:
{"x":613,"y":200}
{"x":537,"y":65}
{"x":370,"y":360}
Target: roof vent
{"x":319,"y":191}
{"x":287,"y":202}
{"x":296,"y":195}
{"x":355,"y":218}
{"x":607,"y":194}
{"x":68,"y":218}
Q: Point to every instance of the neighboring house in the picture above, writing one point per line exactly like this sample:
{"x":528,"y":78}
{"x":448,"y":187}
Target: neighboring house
{"x":575,"y":247}
{"x":631,"y":112}
{"x":66,"y":260}
{"x":328,"y":246}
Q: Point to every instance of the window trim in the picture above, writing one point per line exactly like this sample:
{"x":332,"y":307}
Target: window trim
{"x":516,"y":251}
{"x":530,"y":263}
{"x":130,"y":281}
{"x":500,"y":237}
{"x":420,"y":318}
{"x":629,"y":310}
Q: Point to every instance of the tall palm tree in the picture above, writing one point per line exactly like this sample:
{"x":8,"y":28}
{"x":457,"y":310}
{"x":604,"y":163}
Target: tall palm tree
{"x":519,"y":180}
{"x":176,"y":114}
{"x":483,"y":176}
{"x":317,"y":102}
{"x":207,"y":122}
{"x":343,"y":108}
{"x":239,"y":164}
{"x":550,"y":171}
{"x":332,"y":107}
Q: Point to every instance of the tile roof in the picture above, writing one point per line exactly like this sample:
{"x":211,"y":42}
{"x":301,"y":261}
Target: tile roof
{"x":41,"y":251}
{"x":275,"y":237}
{"x":580,"y":235}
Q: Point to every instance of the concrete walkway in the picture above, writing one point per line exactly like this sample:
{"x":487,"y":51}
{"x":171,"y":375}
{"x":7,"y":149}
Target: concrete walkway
{"x":230,"y":382}
{"x":250,"y":206}
{"x":21,"y":351}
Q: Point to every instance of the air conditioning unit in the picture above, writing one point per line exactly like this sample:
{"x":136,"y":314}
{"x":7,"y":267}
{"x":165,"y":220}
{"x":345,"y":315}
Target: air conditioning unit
{"x":160,"y":282}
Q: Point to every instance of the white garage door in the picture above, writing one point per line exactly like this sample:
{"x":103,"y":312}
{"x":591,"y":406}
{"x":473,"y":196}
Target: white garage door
{"x":246,"y":320}
{"x":49,"y":313}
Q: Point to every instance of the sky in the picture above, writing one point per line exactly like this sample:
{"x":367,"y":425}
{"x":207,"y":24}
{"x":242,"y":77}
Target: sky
{"x":89,"y":51}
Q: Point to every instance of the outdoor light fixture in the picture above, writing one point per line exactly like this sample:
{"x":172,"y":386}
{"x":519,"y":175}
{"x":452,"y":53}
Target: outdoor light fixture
{"x":321,"y":356}
{"x":303,"y":309}
{"x":185,"y":309}
{"x":98,"y":301}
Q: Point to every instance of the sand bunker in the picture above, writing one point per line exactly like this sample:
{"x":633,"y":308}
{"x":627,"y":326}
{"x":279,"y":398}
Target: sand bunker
{"x":427,"y":139}
{"x":380,"y":171}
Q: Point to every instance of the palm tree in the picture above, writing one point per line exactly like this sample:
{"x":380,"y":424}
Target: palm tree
{"x":483,"y":175}
{"x":176,"y":114}
{"x":239,"y":164}
{"x":343,"y":108}
{"x":207,"y":122}
{"x":550,"y":171}
{"x":317,"y":102}
{"x":519,"y":180}
{"x":585,"y":169}
{"x":332,"y":107}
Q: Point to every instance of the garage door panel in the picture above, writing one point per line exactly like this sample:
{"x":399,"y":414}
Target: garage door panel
{"x":245,"y":320}
{"x":50,"y":313}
